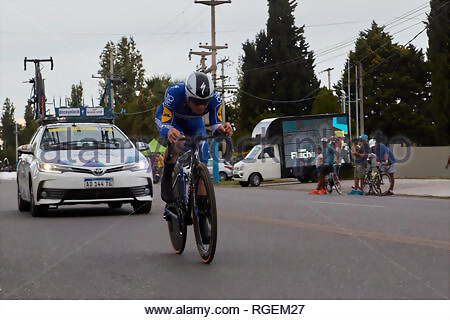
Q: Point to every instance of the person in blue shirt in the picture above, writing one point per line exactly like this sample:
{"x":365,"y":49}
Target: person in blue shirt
{"x":328,"y":156}
{"x":385,"y":156}
{"x":180,"y":115}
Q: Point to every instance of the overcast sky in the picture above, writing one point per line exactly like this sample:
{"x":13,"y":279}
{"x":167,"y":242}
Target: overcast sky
{"x":74,"y":32}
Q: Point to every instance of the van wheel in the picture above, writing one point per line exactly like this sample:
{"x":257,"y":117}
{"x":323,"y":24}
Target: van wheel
{"x":255,"y":180}
{"x":243,"y":183}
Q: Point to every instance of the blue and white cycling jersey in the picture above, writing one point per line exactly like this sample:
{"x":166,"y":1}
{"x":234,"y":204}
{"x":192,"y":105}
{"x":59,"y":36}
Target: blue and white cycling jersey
{"x":174,"y":112}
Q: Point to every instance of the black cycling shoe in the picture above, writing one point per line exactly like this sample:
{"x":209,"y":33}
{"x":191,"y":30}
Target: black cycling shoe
{"x":166,"y":183}
{"x":203,"y":213}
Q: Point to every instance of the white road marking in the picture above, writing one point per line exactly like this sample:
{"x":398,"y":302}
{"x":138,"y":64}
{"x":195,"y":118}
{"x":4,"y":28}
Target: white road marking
{"x":349,"y":204}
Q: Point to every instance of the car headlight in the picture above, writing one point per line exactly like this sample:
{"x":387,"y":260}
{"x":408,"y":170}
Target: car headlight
{"x":48,"y":167}
{"x":137,"y":166}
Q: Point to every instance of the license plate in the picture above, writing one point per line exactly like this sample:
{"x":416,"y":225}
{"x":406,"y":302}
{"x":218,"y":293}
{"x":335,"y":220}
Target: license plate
{"x":98,"y":183}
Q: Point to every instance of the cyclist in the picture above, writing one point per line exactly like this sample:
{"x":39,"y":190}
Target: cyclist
{"x":385,"y":156}
{"x":179,"y":115}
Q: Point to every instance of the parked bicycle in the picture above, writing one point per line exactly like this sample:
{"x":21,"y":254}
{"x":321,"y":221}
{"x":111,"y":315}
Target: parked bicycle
{"x":376,"y":180}
{"x":188,"y":175}
{"x":332,"y":182}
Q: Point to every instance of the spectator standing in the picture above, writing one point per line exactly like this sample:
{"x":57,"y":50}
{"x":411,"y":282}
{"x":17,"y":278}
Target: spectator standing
{"x":361,"y":152}
{"x":320,"y":189}
{"x":385,"y":156}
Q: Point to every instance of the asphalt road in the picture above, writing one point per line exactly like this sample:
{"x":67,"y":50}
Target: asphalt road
{"x":272,"y":244}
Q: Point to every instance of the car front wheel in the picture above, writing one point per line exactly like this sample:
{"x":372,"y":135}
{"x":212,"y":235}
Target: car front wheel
{"x":36,"y":210}
{"x":22,"y":204}
{"x":142,"y":206}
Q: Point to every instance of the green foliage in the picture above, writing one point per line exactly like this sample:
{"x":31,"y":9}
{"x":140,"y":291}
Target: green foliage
{"x":128,"y":70}
{"x":325,"y":102}
{"x":8,"y":125}
{"x":396,"y":82}
{"x":76,"y":95}
{"x":30,"y":126}
{"x":438,"y":55}
{"x":276,"y":66}
{"x":139,"y":120}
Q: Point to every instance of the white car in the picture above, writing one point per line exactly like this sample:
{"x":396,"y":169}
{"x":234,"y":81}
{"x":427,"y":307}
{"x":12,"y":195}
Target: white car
{"x":82,"y":163}
{"x":225,"y":169}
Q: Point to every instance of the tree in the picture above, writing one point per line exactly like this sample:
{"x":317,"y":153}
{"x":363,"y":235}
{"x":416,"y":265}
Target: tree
{"x":276,"y":66}
{"x":76,"y":95}
{"x":438,"y":55}
{"x":325,"y":102}
{"x":139,"y":121}
{"x":8,"y":131}
{"x":30,"y":125}
{"x":8,"y":125}
{"x":396,"y":83}
{"x":129,"y":72}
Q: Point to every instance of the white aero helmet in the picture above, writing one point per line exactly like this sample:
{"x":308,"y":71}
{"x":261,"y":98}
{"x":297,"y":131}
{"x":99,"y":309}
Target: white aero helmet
{"x":372,"y":143}
{"x":199,"y":86}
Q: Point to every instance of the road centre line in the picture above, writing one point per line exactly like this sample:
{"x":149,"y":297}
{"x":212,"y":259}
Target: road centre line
{"x":349,"y":204}
{"x":437,"y":244}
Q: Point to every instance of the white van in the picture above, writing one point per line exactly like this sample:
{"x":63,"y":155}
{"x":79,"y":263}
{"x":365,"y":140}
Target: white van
{"x":287,"y":148}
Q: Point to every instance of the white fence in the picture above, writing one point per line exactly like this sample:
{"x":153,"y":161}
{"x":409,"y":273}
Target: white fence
{"x":421,"y":162}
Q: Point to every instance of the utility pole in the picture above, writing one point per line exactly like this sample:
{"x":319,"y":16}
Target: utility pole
{"x":202,"y":55}
{"x":17,"y":145}
{"x":213,"y":48}
{"x":329,"y":77}
{"x":356,"y":101}
{"x":361,"y":97}
{"x":349,"y":101}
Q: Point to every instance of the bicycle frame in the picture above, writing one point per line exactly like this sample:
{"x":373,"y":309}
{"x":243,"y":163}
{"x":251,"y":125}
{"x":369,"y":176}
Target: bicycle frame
{"x":38,"y":99}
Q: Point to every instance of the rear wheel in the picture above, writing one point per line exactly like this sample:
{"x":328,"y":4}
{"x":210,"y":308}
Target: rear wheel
{"x":206,"y":245}
{"x":328,"y":184}
{"x":223,"y":176}
{"x":176,"y":226}
{"x":366,"y":185}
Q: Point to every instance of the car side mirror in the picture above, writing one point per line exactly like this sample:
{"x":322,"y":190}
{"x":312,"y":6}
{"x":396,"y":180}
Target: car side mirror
{"x":25,"y":149}
{"x":142,"y":146}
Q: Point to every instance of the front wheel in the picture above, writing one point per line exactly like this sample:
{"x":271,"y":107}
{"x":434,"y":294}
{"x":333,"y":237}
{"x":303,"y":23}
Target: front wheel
{"x":255,"y":180}
{"x":142,"y":206}
{"x":204,"y":214}
{"x":22,"y":204}
{"x":383,"y":183}
{"x":36,"y":210}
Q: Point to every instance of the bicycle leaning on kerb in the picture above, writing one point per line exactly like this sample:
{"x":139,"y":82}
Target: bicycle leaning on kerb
{"x":376,"y":180}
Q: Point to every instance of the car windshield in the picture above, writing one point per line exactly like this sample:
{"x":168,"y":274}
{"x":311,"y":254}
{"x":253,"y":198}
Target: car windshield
{"x":84,"y":137}
{"x":252,"y":154}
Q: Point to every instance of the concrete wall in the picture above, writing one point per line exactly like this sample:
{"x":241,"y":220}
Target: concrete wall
{"x":421,"y":162}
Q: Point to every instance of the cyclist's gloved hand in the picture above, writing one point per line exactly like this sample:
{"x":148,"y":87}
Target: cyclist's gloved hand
{"x":226,"y":129}
{"x":173,"y":135}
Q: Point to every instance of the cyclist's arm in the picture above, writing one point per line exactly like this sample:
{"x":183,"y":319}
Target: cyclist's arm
{"x":164,"y":119}
{"x":215,"y":109}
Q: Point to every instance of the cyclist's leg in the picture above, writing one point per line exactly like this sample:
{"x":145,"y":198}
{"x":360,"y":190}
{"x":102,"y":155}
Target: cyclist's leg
{"x":170,"y":159}
{"x":196,"y":127}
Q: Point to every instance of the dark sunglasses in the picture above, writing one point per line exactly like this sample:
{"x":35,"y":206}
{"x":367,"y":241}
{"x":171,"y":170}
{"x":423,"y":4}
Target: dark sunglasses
{"x":198,"y":102}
